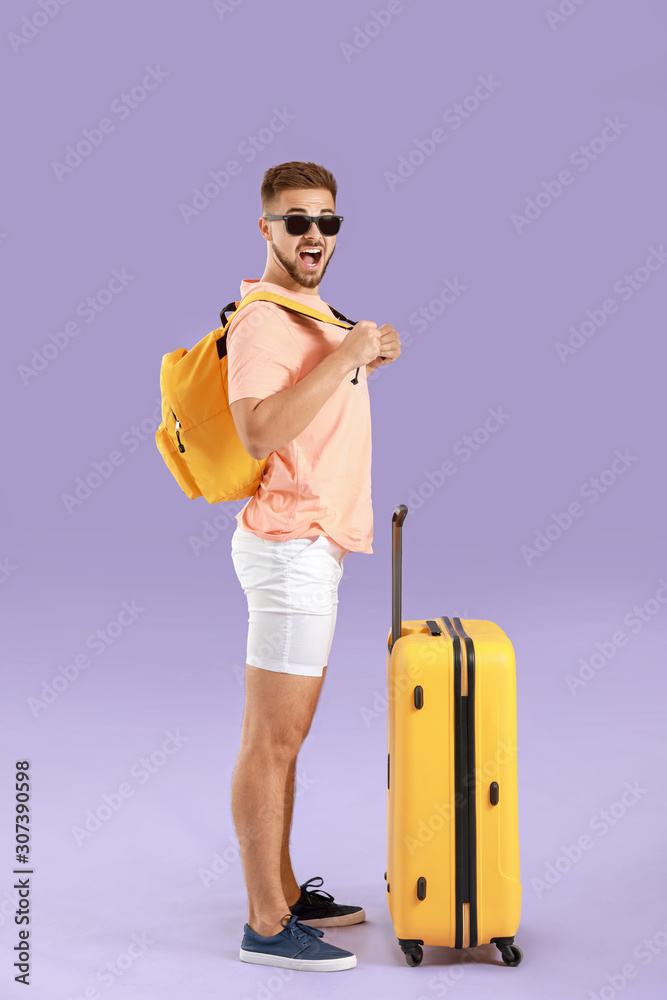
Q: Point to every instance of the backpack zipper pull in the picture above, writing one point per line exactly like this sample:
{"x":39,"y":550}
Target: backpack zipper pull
{"x":181,"y":446}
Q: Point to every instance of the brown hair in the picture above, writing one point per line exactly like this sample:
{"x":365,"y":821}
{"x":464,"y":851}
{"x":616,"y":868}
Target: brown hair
{"x":295,"y":174}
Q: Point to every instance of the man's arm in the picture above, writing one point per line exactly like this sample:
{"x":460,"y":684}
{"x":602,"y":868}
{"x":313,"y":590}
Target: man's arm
{"x":275,"y":421}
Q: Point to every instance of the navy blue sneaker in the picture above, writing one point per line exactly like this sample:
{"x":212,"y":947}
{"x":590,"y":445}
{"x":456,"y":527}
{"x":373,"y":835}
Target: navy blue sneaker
{"x":317,"y":908}
{"x":294,"y":947}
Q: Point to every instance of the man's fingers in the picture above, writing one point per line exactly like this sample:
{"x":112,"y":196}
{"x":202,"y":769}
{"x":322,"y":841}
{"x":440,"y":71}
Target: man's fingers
{"x":390,"y":344}
{"x":389,"y":336}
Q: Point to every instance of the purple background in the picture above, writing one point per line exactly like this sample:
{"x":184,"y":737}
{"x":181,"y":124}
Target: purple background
{"x":178,"y":666}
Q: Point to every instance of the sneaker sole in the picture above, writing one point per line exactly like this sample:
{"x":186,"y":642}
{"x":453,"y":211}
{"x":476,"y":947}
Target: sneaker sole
{"x":343,"y":921}
{"x":299,"y":964}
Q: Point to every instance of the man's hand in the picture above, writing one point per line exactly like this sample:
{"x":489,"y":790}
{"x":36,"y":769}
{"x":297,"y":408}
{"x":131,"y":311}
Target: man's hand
{"x":390,"y":348}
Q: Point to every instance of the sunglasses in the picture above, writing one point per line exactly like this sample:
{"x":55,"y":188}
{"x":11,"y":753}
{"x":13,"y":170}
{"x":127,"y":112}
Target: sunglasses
{"x":298,"y":225}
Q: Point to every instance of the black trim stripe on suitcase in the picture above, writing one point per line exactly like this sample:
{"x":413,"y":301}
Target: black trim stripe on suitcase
{"x":462,"y":842}
{"x":472,"y":784}
{"x":464,"y":766}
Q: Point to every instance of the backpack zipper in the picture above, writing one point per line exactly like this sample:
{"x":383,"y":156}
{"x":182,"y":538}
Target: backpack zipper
{"x":181,"y":446}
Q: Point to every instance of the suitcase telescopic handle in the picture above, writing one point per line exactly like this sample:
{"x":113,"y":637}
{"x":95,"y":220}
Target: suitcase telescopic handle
{"x":398,"y":517}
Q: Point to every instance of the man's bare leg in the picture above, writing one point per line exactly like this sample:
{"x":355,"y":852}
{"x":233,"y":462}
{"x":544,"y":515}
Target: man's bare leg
{"x":289,"y":882}
{"x":279,"y":709}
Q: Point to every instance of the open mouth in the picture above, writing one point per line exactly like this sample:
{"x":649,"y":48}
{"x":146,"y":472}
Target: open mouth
{"x":311,"y":258}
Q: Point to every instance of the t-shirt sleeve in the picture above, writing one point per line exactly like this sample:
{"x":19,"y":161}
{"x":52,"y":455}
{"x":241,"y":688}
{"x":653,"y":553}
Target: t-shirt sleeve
{"x":262,"y":355}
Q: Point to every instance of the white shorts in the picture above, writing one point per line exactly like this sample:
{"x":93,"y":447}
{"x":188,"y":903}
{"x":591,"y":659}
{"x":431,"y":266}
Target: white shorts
{"x":292,"y":592}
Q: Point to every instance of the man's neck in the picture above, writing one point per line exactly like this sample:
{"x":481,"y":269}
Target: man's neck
{"x":287,"y":283}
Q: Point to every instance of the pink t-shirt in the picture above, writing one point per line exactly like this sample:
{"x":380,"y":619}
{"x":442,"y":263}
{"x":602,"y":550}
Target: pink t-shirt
{"x":319,"y":483}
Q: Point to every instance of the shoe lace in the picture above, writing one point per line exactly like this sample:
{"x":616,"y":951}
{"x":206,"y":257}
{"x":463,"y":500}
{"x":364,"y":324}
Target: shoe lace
{"x":317,"y":880}
{"x":297,"y":929}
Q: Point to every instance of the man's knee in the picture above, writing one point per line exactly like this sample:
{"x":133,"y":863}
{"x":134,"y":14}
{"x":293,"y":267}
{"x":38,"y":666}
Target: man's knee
{"x":279,"y":735}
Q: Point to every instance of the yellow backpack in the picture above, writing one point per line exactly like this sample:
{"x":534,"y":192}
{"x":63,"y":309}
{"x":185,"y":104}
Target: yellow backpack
{"x":197,"y":437}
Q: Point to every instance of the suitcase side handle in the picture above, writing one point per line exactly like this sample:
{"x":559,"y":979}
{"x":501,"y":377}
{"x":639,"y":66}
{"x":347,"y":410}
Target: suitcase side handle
{"x":397,"y":520}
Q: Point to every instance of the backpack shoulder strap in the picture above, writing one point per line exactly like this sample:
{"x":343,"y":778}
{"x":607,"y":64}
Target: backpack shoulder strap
{"x":281,"y":300}
{"x":339,"y":315}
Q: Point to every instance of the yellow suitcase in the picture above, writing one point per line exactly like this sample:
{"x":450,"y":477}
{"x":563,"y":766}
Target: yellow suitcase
{"x":452,"y":811}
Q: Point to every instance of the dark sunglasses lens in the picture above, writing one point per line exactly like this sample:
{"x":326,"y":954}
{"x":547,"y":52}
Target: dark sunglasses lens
{"x":297,"y":225}
{"x":329,"y":225}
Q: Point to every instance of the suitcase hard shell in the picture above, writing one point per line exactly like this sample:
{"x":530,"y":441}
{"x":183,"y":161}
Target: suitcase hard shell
{"x":452,"y":811}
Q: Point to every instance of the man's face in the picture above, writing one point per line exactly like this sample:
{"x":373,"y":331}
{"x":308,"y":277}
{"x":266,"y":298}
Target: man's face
{"x":287,"y":249}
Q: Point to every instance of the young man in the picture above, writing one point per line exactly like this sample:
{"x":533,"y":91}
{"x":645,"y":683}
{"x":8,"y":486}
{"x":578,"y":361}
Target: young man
{"x":293,"y":398}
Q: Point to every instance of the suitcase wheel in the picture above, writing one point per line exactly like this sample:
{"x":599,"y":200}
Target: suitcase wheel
{"x":412,"y":950}
{"x":511,"y":954}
